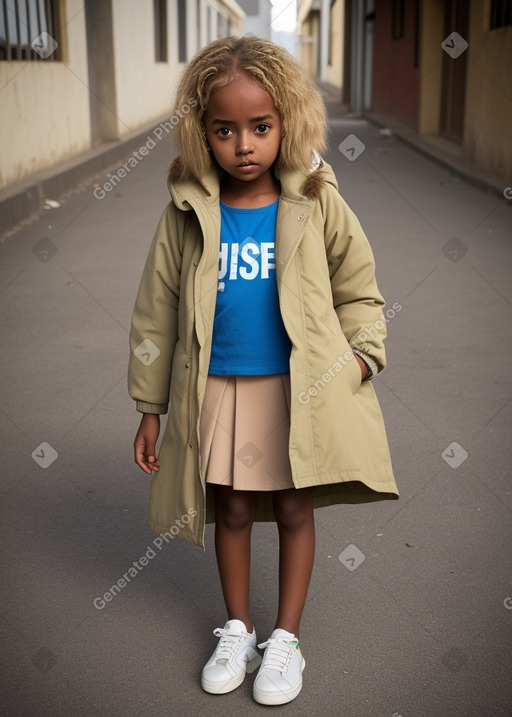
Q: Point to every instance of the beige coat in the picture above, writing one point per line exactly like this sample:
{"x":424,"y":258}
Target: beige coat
{"x":329,"y":302}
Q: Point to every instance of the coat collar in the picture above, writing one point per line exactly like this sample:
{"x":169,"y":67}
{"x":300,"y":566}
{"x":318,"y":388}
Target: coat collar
{"x":295,"y":185}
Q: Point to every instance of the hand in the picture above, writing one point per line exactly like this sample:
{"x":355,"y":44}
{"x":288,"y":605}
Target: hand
{"x":145,"y":442}
{"x":362,"y":366}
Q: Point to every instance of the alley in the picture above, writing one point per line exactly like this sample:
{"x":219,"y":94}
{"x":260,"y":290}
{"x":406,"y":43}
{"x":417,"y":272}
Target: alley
{"x":417,"y":625}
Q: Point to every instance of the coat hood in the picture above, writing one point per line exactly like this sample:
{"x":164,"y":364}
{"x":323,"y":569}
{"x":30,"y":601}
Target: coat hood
{"x":295,"y":185}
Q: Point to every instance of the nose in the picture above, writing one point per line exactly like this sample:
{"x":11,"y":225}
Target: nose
{"x":244,"y":145}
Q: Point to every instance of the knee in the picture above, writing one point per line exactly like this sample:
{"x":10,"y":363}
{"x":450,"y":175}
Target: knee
{"x":236,"y":520}
{"x":292,"y":516}
{"x":235,"y":515}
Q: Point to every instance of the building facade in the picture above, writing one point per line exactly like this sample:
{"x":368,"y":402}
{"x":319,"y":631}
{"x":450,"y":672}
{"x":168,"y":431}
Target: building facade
{"x":258,"y":17}
{"x":322,"y":28}
{"x":441,"y":67}
{"x":438,"y":67}
{"x":74,"y":75}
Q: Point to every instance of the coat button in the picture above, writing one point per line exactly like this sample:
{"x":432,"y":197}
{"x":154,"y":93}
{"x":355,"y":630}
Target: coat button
{"x":301,"y":217}
{"x":195,"y":263}
{"x":187,"y":365}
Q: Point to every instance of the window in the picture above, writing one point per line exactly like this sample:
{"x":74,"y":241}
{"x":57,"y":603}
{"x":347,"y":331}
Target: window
{"x":501,"y":13}
{"x":160,"y":17}
{"x":397,"y":28}
{"x":29,"y":30}
{"x":182,"y":31}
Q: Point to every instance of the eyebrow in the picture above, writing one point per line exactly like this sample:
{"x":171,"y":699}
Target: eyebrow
{"x":253,"y":119}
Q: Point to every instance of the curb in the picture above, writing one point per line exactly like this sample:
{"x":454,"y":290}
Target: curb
{"x":23,"y":202}
{"x":429,"y":147}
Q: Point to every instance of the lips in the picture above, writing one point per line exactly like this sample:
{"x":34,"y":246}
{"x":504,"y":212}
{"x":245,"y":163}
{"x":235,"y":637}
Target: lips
{"x":246,"y":164}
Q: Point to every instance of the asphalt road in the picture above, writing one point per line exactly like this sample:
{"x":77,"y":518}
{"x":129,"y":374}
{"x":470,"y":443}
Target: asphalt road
{"x":419,"y":626}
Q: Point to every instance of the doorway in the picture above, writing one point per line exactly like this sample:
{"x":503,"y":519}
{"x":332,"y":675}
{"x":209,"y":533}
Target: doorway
{"x":453,"y":87}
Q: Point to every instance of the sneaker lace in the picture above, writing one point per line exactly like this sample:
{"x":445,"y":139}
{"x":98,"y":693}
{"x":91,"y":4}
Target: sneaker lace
{"x":277,"y":655}
{"x":228,"y":643}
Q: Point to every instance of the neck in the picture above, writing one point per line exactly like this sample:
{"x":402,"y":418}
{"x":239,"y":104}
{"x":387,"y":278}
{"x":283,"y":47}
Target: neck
{"x":249,"y":195}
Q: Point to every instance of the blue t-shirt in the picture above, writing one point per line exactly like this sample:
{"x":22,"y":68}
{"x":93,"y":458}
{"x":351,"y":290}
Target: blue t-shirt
{"x":249,"y":337}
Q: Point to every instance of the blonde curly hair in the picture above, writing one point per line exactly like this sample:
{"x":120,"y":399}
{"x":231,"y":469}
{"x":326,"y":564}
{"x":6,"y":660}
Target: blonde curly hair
{"x":300,"y":104}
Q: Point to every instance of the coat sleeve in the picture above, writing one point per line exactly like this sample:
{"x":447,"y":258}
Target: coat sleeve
{"x":154,"y":327}
{"x":357,"y":300}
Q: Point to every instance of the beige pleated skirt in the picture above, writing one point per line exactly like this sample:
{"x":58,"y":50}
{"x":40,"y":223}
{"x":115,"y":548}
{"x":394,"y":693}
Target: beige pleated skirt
{"x":245,"y":430}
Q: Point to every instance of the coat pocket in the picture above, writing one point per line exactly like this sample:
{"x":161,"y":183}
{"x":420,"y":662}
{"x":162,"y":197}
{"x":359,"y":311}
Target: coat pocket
{"x":355,"y":375}
{"x":351,"y":370}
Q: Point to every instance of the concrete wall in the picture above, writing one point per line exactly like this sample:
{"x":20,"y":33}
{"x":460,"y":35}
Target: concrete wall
{"x":144,"y":87}
{"x":258,"y":18}
{"x":227,"y":8}
{"x":45,"y":105}
{"x":49,"y":113}
{"x":431,"y":63}
{"x":237,"y":16}
{"x":488,"y":112}
{"x":315,"y":20}
{"x":334,"y":71}
{"x":309,"y":33}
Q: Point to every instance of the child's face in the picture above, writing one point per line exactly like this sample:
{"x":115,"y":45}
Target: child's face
{"x":243,"y":128}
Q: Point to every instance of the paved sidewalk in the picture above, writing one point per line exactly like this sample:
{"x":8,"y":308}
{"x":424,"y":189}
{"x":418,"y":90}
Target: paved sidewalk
{"x":421,"y":627}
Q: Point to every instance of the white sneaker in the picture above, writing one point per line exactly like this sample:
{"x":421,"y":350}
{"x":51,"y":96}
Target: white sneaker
{"x":226,"y":668}
{"x":279,"y":679}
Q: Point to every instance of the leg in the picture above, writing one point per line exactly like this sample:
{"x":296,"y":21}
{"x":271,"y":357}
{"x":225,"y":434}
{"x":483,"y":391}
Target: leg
{"x":234,"y":516}
{"x":293,"y":510}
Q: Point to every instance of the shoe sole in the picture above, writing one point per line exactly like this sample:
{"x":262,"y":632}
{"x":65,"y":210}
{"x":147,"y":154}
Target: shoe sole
{"x":282,"y":696}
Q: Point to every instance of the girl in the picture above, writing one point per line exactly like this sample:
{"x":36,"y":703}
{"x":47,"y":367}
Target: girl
{"x":258,"y":319}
